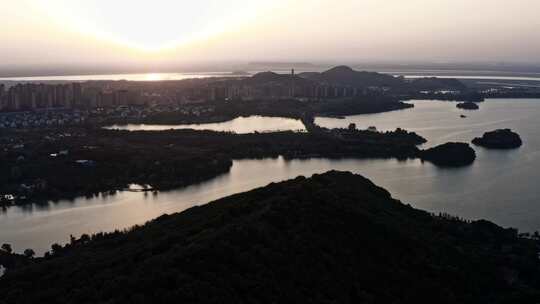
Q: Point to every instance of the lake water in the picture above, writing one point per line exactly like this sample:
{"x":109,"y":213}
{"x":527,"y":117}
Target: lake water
{"x":440,"y":122}
{"x":460,"y":74}
{"x":115,"y":77}
{"x":240,"y":125}
{"x":501,"y":186}
{"x":474,"y":77}
{"x":133,"y":76}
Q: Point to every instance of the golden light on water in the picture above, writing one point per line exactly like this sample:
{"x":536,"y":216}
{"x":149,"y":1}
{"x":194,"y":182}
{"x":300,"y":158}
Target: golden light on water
{"x":154,"y":77}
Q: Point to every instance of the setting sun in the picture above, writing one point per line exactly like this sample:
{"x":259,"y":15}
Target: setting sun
{"x":152,"y":26}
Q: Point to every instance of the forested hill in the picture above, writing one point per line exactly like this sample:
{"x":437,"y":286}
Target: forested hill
{"x":333,"y":238}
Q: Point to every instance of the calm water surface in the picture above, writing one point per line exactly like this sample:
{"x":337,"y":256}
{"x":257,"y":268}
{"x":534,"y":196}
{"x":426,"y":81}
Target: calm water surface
{"x":501,"y":186}
{"x":138,"y":76}
{"x":473,"y":77}
{"x":240,"y":125}
{"x":116,"y":77}
{"x":460,"y":74}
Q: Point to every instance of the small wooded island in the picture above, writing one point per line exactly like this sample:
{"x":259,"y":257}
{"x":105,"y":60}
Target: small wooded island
{"x":332,"y":238}
{"x":499,"y":139}
{"x":450,"y":155}
{"x":468,"y":106}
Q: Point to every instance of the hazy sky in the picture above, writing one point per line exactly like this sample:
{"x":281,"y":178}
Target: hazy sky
{"x":49,"y":32}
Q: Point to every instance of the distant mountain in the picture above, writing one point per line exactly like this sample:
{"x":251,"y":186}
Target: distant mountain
{"x":434,"y":83}
{"x":347,"y":76}
{"x":344,"y":75}
{"x":333,"y":238}
{"x":271,"y":77}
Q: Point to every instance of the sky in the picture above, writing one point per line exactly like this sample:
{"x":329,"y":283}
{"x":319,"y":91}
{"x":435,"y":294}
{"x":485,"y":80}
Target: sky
{"x":166,"y":32}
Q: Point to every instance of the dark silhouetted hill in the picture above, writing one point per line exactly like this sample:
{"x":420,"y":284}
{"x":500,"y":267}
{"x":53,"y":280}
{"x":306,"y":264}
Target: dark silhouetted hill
{"x":450,"y":154}
{"x":499,"y":139}
{"x":265,"y":78}
{"x":333,"y":238}
{"x":344,"y":75}
{"x":434,"y":83}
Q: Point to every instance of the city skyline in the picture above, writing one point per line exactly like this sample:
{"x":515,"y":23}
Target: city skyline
{"x":160,"y":33}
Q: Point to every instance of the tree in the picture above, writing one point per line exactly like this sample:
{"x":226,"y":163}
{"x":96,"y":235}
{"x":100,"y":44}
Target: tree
{"x":7,"y":248}
{"x":56,"y":248}
{"x":29,"y":253}
{"x":85,"y":238}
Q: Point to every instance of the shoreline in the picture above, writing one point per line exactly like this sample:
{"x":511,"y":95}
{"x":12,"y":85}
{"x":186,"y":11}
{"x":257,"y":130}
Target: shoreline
{"x":402,"y":145}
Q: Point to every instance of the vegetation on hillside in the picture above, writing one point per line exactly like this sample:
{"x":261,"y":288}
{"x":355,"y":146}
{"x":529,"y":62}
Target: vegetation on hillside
{"x":333,"y":238}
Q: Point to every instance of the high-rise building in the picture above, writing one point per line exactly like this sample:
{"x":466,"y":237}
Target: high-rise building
{"x":3,"y":97}
{"x":293,"y":93}
{"x":91,"y":97}
{"x":76,"y":89}
{"x":121,"y":98}
{"x":107,"y":99}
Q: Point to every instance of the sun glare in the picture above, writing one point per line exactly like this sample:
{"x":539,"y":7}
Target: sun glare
{"x":153,"y":25}
{"x":154,"y":77}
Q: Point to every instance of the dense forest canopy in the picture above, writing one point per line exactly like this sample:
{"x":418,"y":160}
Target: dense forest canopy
{"x":333,"y":238}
